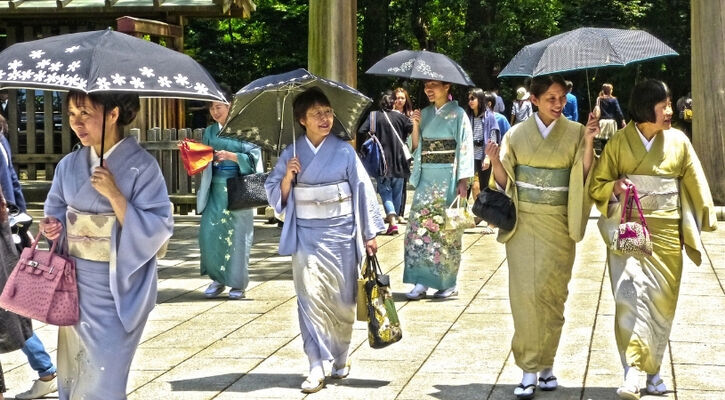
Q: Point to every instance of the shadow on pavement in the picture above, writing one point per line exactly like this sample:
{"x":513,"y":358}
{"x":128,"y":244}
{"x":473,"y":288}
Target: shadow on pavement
{"x":262,"y":381}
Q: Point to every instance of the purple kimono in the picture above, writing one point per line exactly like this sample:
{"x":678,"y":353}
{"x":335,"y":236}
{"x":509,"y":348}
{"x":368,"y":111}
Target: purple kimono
{"x":116,"y":297}
{"x":326,"y":252}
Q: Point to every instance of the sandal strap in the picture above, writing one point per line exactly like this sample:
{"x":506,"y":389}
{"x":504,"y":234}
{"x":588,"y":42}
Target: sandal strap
{"x":547,"y":380}
{"x":521,"y":386}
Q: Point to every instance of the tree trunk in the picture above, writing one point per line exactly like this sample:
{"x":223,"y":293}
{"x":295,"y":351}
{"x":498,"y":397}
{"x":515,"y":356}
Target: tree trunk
{"x":480,"y":19}
{"x":708,"y":91}
{"x":374,"y":42}
{"x":419,"y":26}
{"x":332,"y":41}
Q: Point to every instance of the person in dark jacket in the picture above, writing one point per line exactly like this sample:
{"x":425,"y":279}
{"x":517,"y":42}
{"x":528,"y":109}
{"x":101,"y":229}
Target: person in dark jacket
{"x":388,"y":125}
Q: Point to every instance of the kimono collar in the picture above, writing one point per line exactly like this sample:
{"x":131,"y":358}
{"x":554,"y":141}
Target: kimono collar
{"x":647,"y":143}
{"x":312,"y":146}
{"x":543,"y":129}
{"x":438,"y":110}
{"x":95,"y":160}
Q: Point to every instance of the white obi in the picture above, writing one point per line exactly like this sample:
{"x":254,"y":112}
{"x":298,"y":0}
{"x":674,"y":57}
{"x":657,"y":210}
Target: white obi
{"x":89,"y":235}
{"x":657,"y":193}
{"x":323,"y":201}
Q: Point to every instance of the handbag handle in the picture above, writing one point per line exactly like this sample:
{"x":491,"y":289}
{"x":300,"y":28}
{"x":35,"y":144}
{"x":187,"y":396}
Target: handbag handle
{"x":35,"y":244}
{"x":456,"y":201}
{"x":632,"y":196}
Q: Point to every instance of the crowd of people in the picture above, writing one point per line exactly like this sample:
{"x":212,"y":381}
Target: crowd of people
{"x":544,"y":161}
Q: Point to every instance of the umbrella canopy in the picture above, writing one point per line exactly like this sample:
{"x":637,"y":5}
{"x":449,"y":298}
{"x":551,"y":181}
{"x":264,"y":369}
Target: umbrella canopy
{"x":425,"y":65}
{"x":105,"y":61}
{"x":586,"y":48}
{"x":261,"y":111}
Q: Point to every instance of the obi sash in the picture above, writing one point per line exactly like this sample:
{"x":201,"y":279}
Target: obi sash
{"x":543,"y":185}
{"x":657,"y":193}
{"x":323,"y":201}
{"x":438,"y":151}
{"x":89,"y":235}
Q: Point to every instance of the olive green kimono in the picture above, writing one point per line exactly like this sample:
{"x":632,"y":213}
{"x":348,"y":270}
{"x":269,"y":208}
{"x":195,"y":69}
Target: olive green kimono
{"x":677,"y":205}
{"x":545,"y":180}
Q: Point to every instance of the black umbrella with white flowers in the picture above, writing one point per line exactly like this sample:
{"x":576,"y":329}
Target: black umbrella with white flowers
{"x":105,"y":61}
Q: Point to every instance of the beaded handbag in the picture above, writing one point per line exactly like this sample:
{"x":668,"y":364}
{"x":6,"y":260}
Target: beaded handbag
{"x":632,"y":238}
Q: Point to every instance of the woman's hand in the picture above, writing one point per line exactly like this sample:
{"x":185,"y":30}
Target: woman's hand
{"x":293,"y":168}
{"x":51,"y":227}
{"x":223,"y":155}
{"x":102,"y":180}
{"x":493,"y":151}
{"x":620,"y":186}
{"x":371,"y":247}
{"x":416,"y":116}
{"x":592,"y":127}
{"x":462,"y":189}
{"x":485,"y":163}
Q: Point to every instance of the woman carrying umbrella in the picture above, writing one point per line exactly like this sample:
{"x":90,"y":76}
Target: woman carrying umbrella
{"x":677,"y":204}
{"x":543,"y":164}
{"x":124,"y":211}
{"x":225,"y":237}
{"x":332,"y":218}
{"x":443,"y":162}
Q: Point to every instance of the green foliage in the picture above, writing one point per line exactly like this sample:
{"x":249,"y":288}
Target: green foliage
{"x":237,"y":51}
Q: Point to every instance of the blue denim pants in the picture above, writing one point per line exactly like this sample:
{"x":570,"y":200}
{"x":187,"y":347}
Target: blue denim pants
{"x":391,"y":192}
{"x":38,"y":358}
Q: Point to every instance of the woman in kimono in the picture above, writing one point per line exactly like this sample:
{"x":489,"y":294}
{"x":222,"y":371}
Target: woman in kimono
{"x":14,"y":329}
{"x":225,"y":237}
{"x":442,"y":144}
{"x":543,"y":166}
{"x":331,"y":219}
{"x":113,"y":218}
{"x":661,"y":163}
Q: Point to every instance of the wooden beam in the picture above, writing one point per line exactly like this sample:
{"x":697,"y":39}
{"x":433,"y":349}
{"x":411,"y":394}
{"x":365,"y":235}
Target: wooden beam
{"x":111,"y":3}
{"x":61,"y":3}
{"x":13,"y":4}
{"x":133,"y":25}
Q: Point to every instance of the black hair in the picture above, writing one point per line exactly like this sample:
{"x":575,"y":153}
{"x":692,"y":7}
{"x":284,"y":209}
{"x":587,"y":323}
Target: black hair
{"x":306,"y":100}
{"x":490,"y":99}
{"x":127,"y":103}
{"x":540,"y":84}
{"x":387,"y":100}
{"x":645,"y":95}
{"x":226,"y":91}
{"x":480,"y":96}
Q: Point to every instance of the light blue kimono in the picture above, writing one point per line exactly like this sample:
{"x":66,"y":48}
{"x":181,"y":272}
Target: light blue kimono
{"x":433,"y":255}
{"x":116,"y":297}
{"x":225,"y":237}
{"x":326,"y":252}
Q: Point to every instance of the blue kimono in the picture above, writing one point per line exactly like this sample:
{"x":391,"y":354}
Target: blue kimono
{"x":326,"y":252}
{"x":116,"y":297}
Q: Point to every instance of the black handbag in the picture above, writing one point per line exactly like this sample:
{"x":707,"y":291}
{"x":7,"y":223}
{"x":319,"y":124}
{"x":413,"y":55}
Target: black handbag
{"x":495,"y":208}
{"x":247,"y":191}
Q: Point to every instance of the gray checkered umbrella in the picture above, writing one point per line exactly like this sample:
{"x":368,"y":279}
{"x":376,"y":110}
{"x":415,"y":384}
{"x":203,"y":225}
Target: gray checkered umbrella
{"x":585,"y":48}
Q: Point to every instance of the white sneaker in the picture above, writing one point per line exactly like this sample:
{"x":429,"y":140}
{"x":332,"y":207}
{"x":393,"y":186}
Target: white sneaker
{"x":39,"y":389}
{"x":215,"y":288}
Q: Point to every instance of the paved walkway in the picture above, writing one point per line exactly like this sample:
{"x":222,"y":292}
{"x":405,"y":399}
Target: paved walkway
{"x":454,"y":349}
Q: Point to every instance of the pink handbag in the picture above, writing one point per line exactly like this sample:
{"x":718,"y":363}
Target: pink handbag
{"x":43,"y":287}
{"x":632,"y":237}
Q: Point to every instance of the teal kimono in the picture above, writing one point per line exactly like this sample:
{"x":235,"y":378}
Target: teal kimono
{"x":444,"y":155}
{"x":225,"y":237}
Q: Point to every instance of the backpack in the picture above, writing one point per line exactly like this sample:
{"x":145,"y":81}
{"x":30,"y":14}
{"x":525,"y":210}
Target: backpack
{"x":371,"y":153}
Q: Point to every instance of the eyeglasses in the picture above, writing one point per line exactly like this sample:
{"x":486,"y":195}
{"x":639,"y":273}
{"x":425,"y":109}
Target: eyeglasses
{"x":322,"y":114}
{"x":471,"y":98}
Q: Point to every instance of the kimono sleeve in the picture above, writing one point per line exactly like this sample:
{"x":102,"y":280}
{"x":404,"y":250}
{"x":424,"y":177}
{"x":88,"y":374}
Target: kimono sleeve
{"x":464,"y":151}
{"x":367,"y":211}
{"x":605,"y":173}
{"x":148,"y":224}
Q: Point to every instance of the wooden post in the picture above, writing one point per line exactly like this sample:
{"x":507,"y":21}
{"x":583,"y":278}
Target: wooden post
{"x":708,"y":91}
{"x":332,"y":43}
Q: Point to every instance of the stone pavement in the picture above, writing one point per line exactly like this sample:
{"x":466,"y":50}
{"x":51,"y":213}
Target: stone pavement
{"x":453,"y":349}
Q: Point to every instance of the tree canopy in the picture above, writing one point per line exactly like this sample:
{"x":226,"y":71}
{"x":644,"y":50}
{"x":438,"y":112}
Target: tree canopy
{"x":482,"y":35}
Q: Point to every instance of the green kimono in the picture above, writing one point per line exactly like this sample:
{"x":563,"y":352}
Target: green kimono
{"x":677,"y":204}
{"x":443,"y":157}
{"x":545,"y":180}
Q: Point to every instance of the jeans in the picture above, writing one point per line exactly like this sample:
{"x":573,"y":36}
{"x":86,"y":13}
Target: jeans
{"x":38,"y":358}
{"x":390,"y":191}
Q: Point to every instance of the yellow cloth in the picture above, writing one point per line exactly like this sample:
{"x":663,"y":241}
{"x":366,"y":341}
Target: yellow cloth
{"x":541,"y":247}
{"x":646,"y":289}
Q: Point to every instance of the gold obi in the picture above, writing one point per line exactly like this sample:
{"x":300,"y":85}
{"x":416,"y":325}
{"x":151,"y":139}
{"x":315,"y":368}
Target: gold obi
{"x":89,"y":235}
{"x":438,"y":151}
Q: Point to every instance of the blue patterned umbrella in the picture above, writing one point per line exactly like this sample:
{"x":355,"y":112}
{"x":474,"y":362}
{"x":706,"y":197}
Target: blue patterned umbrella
{"x":585,"y":48}
{"x":105,"y":61}
{"x":261,"y":111}
{"x":424,"y":65}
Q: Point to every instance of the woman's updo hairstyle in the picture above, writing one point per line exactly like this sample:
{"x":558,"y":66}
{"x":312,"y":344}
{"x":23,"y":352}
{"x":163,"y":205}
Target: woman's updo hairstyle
{"x":127,"y":103}
{"x":540,"y":84}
